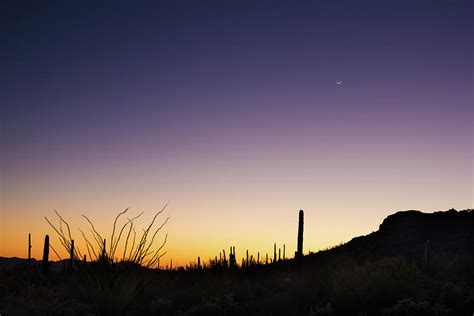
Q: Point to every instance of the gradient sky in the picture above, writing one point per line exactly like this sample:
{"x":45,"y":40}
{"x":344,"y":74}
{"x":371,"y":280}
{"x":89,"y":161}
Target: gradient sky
{"x":230,"y":112}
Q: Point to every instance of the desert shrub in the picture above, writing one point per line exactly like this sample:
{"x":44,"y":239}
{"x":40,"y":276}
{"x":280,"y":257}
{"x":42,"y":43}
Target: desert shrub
{"x":453,"y":267}
{"x":110,"y":290}
{"x":216,"y":305}
{"x":161,"y":306}
{"x":372,"y":285}
{"x":3,"y":292}
{"x":456,"y":295}
{"x":323,"y":310}
{"x":409,"y":307}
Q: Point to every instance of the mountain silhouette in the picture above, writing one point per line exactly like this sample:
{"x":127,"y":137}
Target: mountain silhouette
{"x":406,"y":233}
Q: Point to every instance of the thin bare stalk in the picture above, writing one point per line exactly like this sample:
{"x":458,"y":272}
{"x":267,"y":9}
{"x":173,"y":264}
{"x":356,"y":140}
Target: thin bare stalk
{"x":97,"y":236}
{"x":113,"y":231}
{"x":88,"y":243}
{"x":153,"y":237}
{"x":67,"y":225}
{"x":133,"y":244}
{"x":128,"y":235}
{"x":51,"y":246}
{"x":156,"y":252}
{"x":142,"y":242}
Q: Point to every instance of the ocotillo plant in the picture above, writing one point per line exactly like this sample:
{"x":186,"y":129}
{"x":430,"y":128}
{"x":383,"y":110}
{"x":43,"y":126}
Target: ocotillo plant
{"x":45,"y":255}
{"x":29,"y":248}
{"x":141,"y":253}
{"x":428,"y":255}
{"x":299,"y":252}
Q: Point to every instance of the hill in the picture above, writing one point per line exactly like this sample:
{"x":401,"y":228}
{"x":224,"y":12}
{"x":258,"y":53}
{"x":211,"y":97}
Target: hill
{"x":406,"y":233}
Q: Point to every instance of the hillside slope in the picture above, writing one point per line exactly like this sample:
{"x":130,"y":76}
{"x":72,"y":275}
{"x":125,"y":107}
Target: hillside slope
{"x":405,"y":234}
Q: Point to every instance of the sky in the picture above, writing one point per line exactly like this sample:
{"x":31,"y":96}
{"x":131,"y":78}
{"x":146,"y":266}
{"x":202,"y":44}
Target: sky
{"x":230,"y":112}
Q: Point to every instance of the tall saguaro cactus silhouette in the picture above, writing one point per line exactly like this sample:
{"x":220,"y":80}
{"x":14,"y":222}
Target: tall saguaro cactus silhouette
{"x":232,"y":260}
{"x":428,"y":255}
{"x":29,"y":248}
{"x":71,"y":257}
{"x":274,"y":252}
{"x":299,"y":252}
{"x":45,"y":254}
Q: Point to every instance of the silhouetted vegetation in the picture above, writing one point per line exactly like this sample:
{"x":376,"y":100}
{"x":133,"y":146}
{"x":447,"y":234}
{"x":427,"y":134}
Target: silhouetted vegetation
{"x":413,"y":277}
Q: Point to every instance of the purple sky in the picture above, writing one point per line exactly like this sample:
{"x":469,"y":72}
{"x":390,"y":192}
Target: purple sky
{"x":194,"y":102}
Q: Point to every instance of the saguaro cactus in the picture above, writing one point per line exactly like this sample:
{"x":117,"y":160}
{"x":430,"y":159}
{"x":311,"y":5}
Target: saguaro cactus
{"x":104,"y":252}
{"x":299,"y":252}
{"x":29,"y":248}
{"x":232,"y":260}
{"x":44,"y":264}
{"x":274,"y":252}
{"x":428,"y":255}
{"x":199,"y":263}
{"x":71,"y":257}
